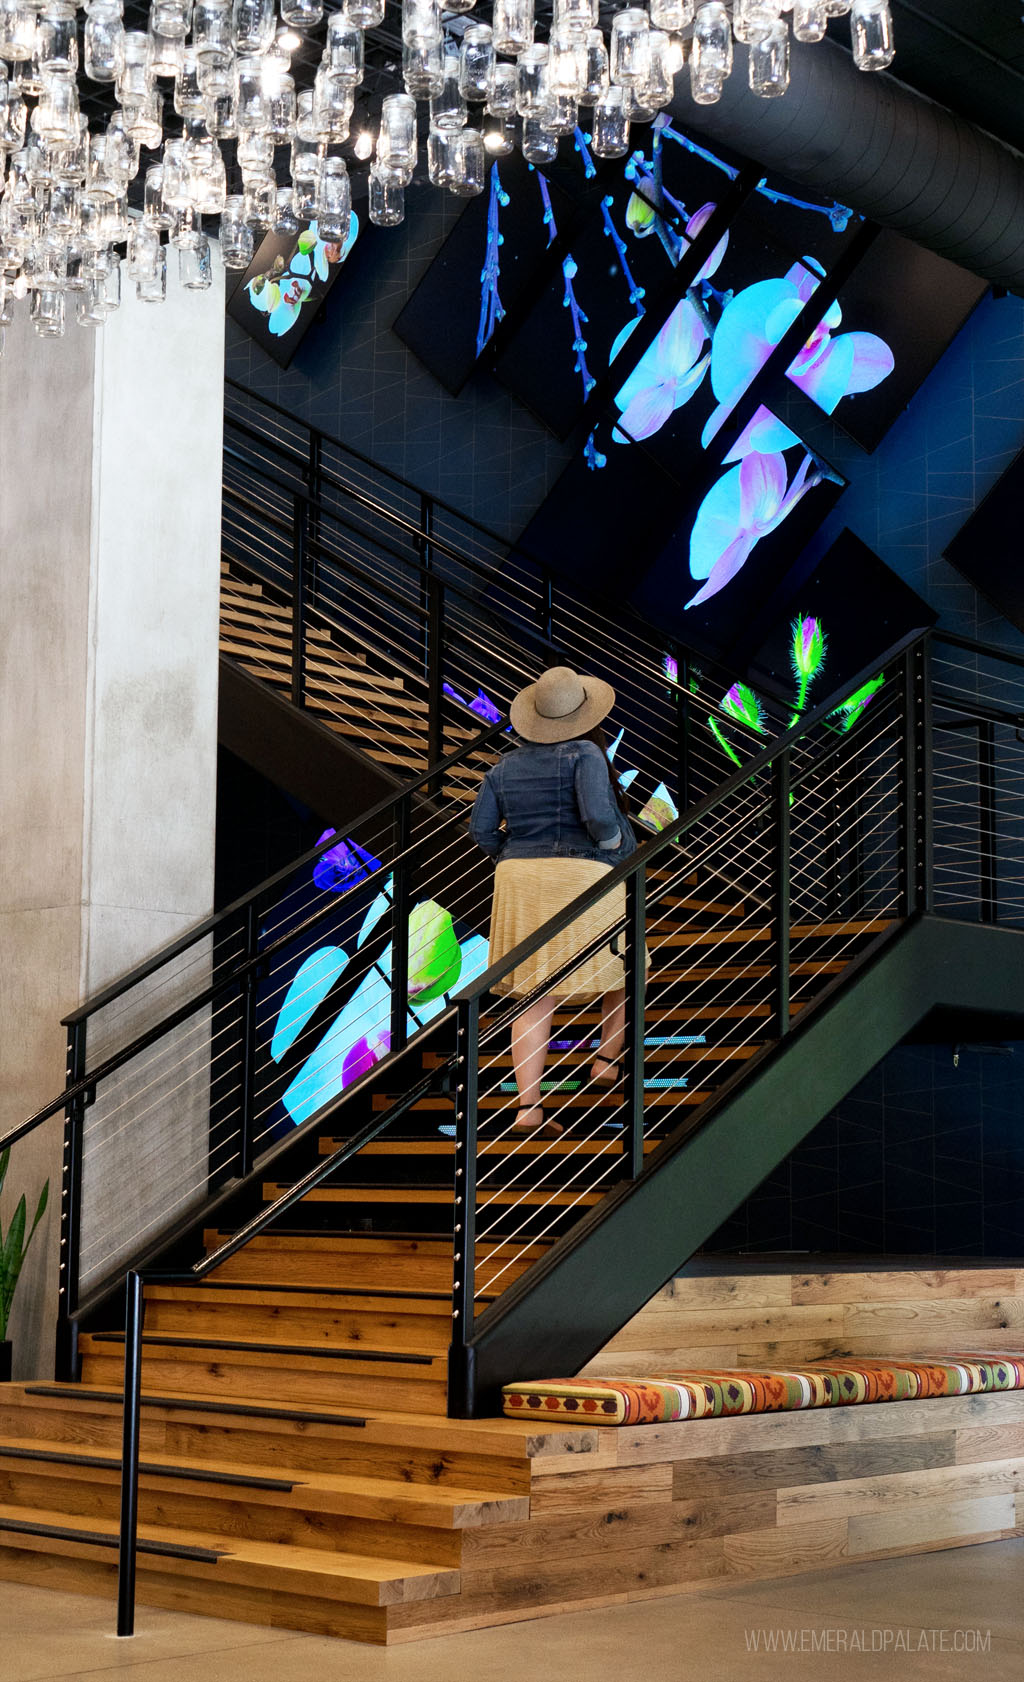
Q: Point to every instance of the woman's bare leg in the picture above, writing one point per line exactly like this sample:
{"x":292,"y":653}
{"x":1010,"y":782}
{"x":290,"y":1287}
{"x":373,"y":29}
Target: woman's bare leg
{"x":531,"y":1033}
{"x":613,"y":1033}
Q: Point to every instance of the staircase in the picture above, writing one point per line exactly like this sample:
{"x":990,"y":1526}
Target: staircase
{"x":329,"y":1278}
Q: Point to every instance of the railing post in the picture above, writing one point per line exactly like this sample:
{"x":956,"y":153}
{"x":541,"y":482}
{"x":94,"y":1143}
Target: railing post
{"x":461,"y":1363}
{"x":988,"y":897}
{"x":400,"y":926}
{"x":781,"y":879}
{"x":128,"y":1539}
{"x":547,"y":612}
{"x":636,"y":987}
{"x":926,"y":780}
{"x":435,"y":673}
{"x":300,"y":518}
{"x":911,"y":812}
{"x":66,"y":1354}
{"x":247,"y":1084}
{"x":684,"y":726}
{"x":314,"y":485}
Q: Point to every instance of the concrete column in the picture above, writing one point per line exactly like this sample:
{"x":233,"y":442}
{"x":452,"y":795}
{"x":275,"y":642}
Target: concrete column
{"x":110,"y":465}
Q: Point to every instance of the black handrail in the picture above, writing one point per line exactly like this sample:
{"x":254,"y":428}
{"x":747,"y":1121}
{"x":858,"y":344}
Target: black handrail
{"x":774,"y":758}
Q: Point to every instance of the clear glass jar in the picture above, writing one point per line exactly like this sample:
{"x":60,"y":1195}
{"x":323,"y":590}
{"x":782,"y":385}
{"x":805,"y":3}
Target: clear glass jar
{"x":423,"y":68}
{"x":567,"y":61}
{"x":286,"y":222}
{"x":476,"y":66}
{"x":710,"y":52}
{"x":365,"y":14}
{"x":212,"y":34}
{"x":103,"y":40}
{"x":301,"y":14}
{"x":752,"y":20}
{"x":17,"y":30}
{"x":671,"y":15}
{"x":343,"y":53}
{"x":499,"y":133}
{"x":333,"y":103}
{"x":448,"y":109}
{"x":532,"y":81}
{"x":151,"y":288}
{"x":611,"y":124}
{"x":255,"y":23}
{"x":57,"y":39}
{"x":387,"y":199}
{"x":236,"y":241}
{"x":598,"y":78}
{"x":537,"y":143}
{"x":195,"y":263}
{"x":333,"y":202}
{"x":513,"y":26}
{"x":630,"y":55}
{"x":810,"y":20}
{"x":440,"y":167}
{"x":871,"y":34}
{"x":396,"y":138}
{"x":171,"y":18}
{"x":469,"y":163}
{"x":768,"y":62}
{"x":580,"y":16}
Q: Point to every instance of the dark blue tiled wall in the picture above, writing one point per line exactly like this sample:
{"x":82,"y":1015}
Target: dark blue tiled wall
{"x":922,"y":1158}
{"x":481,"y":452}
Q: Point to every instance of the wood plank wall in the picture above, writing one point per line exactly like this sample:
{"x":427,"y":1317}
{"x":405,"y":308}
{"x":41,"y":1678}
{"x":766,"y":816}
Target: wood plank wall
{"x":656,"y":1509}
{"x":753,"y":1316}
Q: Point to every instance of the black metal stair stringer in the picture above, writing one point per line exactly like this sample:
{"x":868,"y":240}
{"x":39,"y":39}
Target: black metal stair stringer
{"x":565,"y":1308}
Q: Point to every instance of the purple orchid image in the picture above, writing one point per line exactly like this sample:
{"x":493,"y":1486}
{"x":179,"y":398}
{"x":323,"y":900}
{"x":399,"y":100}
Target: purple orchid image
{"x":343,"y":866}
{"x":672,"y":368}
{"x":828,"y":367}
{"x":666,"y":376}
{"x":743,"y":506}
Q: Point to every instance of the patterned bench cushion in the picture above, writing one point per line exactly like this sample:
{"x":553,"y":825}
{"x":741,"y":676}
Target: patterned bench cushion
{"x":670,"y":1396}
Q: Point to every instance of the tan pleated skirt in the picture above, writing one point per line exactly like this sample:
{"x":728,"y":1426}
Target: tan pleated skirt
{"x":527,"y":892}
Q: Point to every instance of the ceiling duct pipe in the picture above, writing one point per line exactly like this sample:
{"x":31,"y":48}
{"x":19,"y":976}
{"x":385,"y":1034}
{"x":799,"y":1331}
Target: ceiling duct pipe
{"x":875,"y":145}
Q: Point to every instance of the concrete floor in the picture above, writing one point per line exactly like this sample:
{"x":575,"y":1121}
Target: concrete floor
{"x":928,"y":1617}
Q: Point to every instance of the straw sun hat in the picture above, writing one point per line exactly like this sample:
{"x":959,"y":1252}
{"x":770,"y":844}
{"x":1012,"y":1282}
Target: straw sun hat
{"x":562,"y":704}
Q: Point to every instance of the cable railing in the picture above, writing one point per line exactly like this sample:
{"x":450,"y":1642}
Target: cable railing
{"x":189,"y":1071}
{"x":387,"y":573}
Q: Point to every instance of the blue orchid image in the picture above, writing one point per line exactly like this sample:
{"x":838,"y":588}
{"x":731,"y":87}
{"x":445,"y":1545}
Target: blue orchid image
{"x":828,"y":367}
{"x":743,"y":506}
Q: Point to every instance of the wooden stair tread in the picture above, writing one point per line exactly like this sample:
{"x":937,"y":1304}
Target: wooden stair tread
{"x":563,"y":1100}
{"x":440,"y":1506}
{"x":363,"y":1578}
{"x":493,"y":1147}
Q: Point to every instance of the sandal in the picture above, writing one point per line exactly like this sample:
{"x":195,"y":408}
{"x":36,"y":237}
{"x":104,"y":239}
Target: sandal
{"x":613,"y":1063}
{"x":547,"y":1126}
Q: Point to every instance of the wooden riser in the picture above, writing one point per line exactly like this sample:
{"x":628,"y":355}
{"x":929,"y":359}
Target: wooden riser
{"x":72,"y":1573}
{"x":259,"y":1316}
{"x":314,"y":1383}
{"x":378,"y":1263}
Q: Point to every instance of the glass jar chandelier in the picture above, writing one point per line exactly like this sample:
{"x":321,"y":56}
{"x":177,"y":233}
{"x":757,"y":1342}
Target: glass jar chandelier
{"x":210,"y":75}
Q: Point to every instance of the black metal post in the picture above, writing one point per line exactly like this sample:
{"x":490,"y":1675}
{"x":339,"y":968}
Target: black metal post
{"x":300,"y":518}
{"x":684,"y":727}
{"x":66,"y":1352}
{"x":781,"y":876}
{"x":636,"y":988}
{"x":134,"y":1308}
{"x":461,"y":1365}
{"x":314,"y":485}
{"x":400,"y":926}
{"x":435,"y":673}
{"x":909,"y":883}
{"x":547,"y":612}
{"x":926,"y":780}
{"x":988,"y":892}
{"x":247,"y":1079}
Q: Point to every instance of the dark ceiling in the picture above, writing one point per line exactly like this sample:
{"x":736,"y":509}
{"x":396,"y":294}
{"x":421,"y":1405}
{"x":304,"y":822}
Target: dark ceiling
{"x":968,"y":57}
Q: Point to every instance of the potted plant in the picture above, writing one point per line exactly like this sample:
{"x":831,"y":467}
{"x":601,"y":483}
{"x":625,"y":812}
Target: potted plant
{"x":13,"y":1249}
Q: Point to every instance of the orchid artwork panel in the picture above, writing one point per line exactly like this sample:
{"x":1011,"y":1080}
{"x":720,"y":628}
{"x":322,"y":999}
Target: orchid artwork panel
{"x":280,"y":294}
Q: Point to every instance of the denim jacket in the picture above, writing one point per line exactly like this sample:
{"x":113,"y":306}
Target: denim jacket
{"x":555,"y":801}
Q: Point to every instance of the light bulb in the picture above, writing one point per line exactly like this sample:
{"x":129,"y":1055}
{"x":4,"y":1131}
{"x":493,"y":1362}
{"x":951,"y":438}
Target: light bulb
{"x":362,"y":146}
